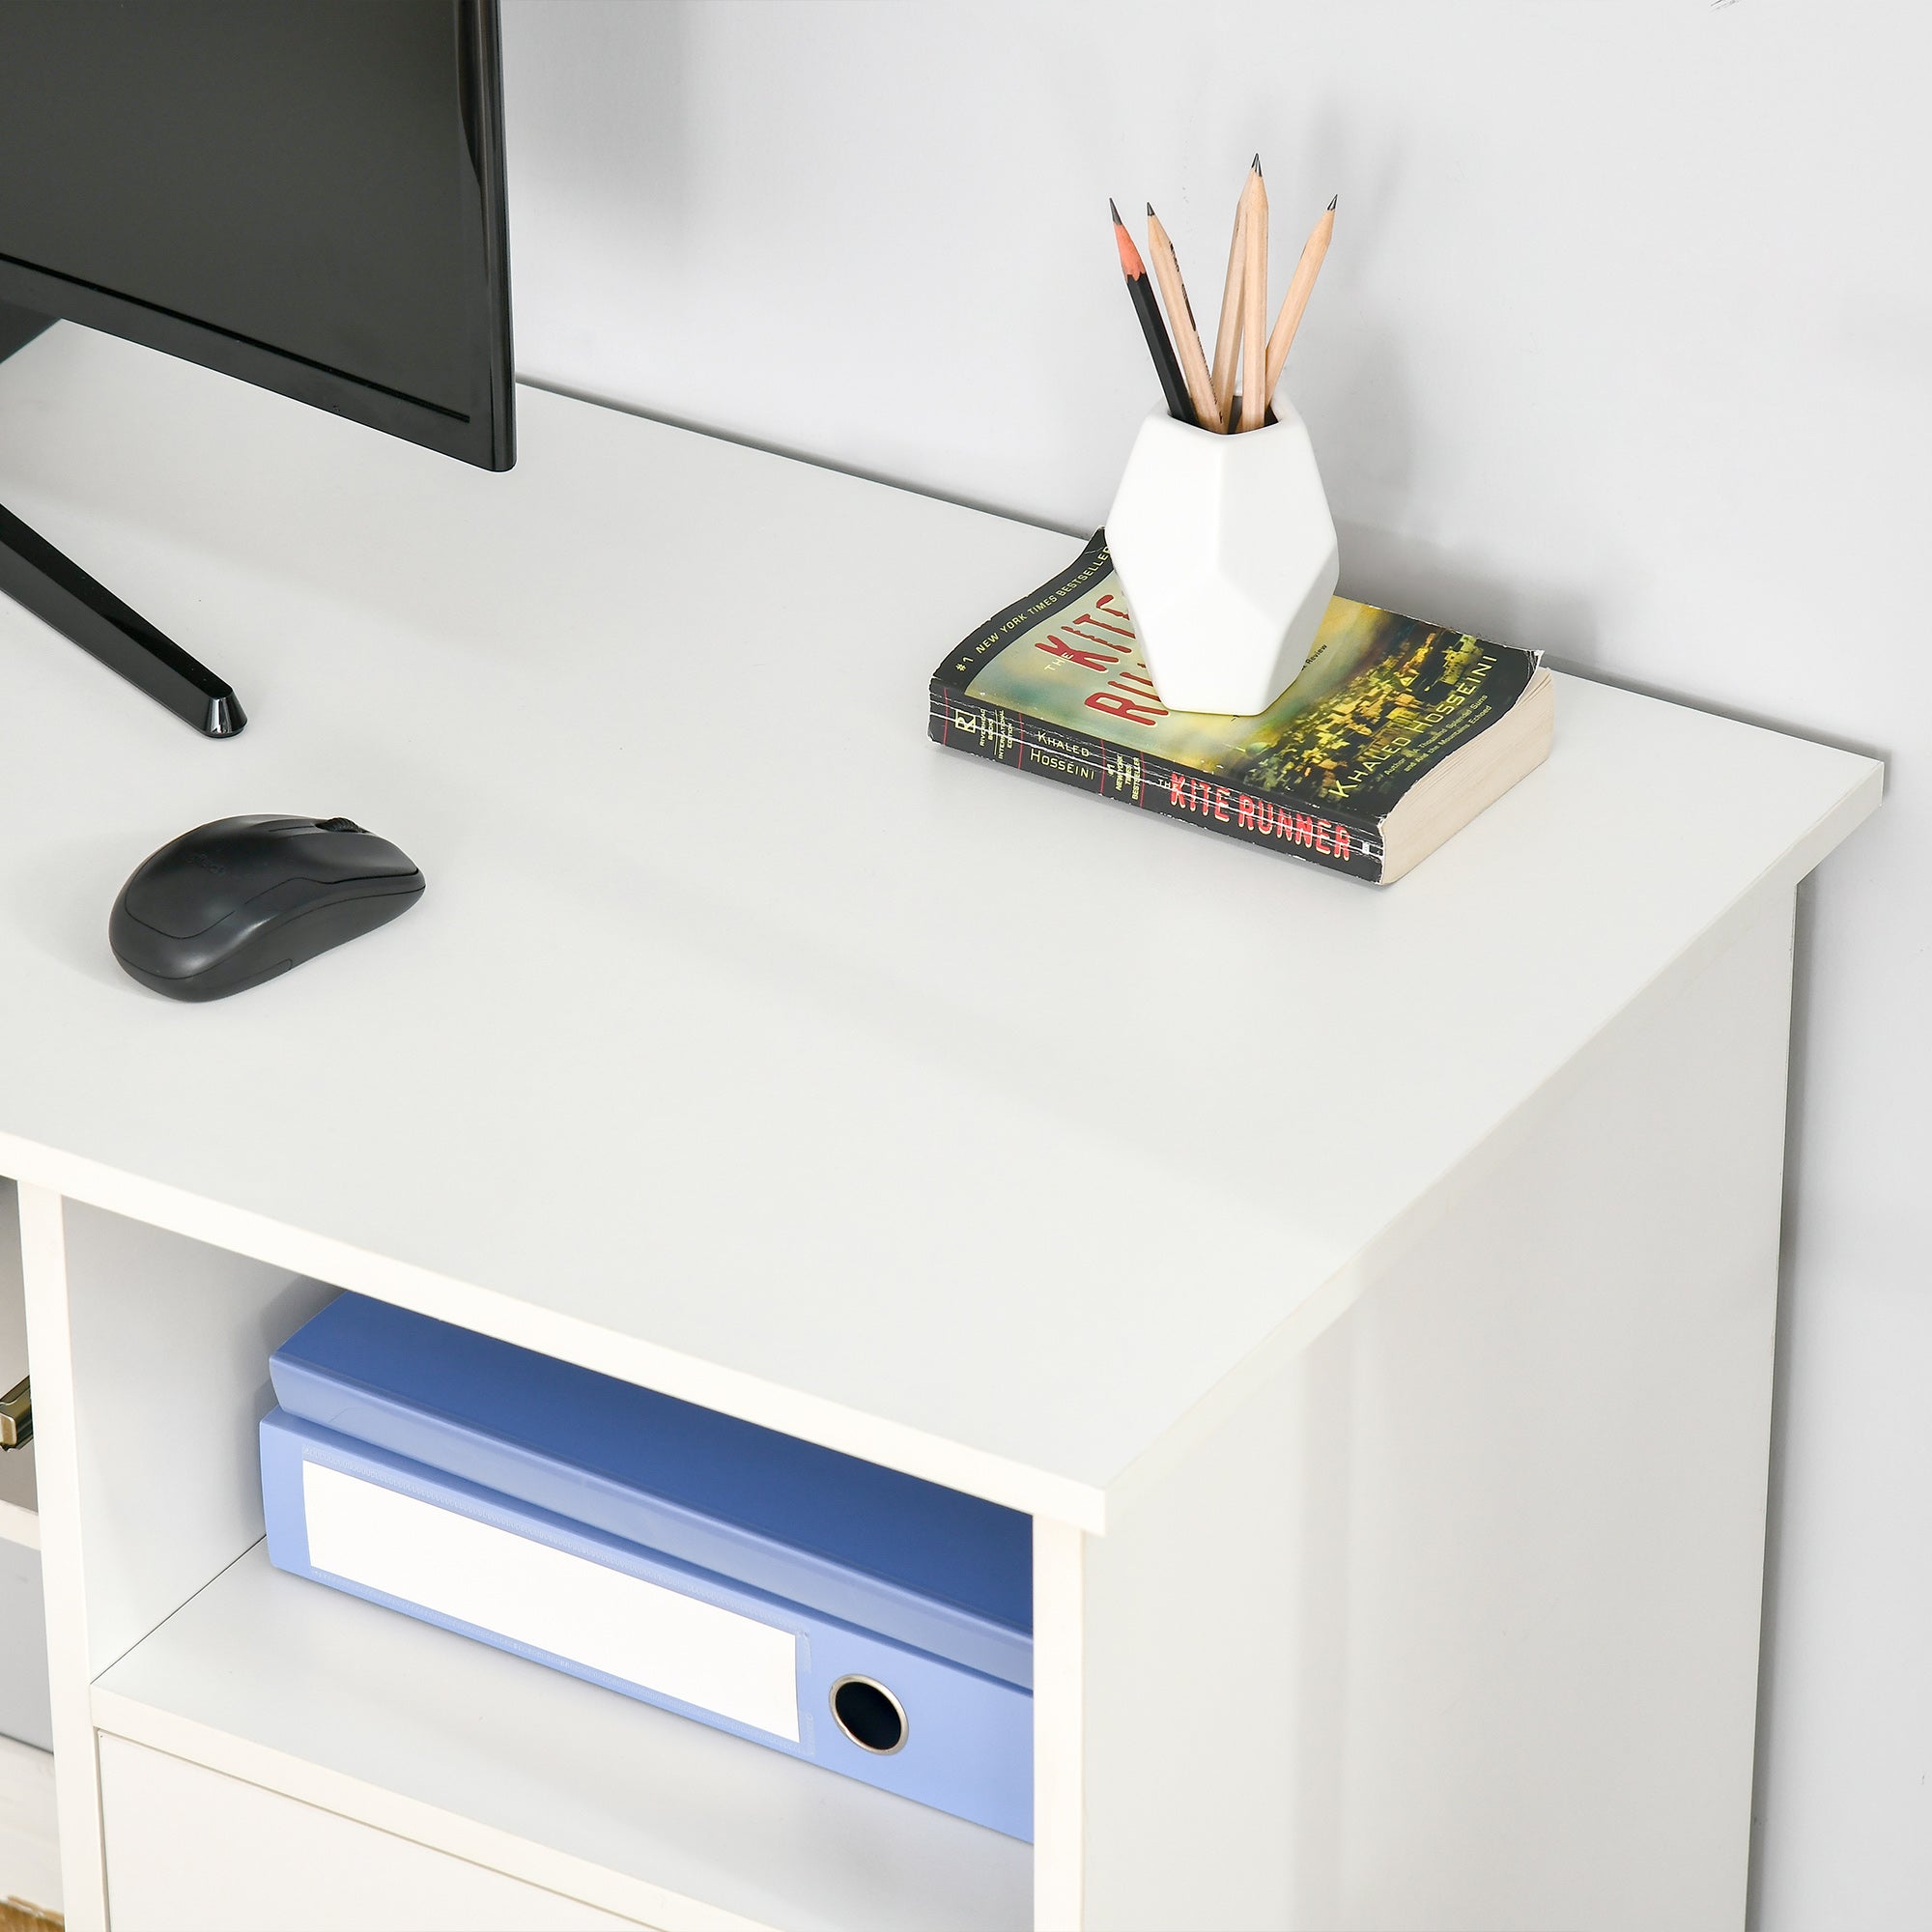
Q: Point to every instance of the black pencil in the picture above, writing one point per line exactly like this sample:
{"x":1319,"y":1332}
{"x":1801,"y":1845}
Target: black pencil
{"x":1167,"y":364}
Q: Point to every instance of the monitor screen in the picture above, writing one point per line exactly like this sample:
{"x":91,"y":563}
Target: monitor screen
{"x":305,"y":193}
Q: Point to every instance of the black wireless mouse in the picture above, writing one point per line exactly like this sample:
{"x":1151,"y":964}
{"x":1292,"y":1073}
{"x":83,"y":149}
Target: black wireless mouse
{"x":230,"y":904}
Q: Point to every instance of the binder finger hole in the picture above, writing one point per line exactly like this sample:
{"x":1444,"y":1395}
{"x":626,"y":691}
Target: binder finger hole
{"x":869,"y":1715}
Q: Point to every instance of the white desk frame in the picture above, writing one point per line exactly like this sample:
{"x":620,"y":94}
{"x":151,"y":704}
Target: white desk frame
{"x":1370,"y":1295}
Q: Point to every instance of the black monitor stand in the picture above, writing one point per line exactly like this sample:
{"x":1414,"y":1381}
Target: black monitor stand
{"x":34,"y":574}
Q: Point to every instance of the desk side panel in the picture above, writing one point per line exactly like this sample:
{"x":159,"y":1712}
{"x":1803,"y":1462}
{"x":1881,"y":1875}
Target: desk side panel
{"x":1454,"y":1620}
{"x":77,"y":1783}
{"x":170,"y":1343}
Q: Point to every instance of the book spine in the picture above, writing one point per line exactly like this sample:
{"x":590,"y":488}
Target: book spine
{"x":1300,"y":828}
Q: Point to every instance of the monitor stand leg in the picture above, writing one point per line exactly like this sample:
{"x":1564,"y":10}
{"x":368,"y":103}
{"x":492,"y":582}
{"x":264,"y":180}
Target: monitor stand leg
{"x":59,"y":592}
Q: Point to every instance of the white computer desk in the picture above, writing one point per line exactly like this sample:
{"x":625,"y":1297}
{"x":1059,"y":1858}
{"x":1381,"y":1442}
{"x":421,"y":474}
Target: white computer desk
{"x":1370,"y":1295}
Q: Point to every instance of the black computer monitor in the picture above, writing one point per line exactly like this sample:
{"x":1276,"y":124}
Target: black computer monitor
{"x":307,"y":194}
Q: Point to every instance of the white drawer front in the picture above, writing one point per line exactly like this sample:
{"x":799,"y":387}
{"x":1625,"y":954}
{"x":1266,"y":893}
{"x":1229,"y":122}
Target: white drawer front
{"x":190,"y":1850}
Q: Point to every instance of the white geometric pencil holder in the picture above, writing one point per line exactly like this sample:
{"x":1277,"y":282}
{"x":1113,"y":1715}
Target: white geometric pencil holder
{"x":1227,"y":554}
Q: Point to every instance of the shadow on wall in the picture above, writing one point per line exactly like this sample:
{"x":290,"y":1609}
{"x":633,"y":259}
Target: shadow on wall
{"x":1418,"y":578}
{"x":1421,"y":579}
{"x":635,"y":166}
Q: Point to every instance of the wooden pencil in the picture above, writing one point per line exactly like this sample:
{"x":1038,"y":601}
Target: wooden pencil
{"x":1180,"y":324}
{"x":1141,"y":289}
{"x":1228,"y":331}
{"x":1254,"y":303}
{"x":1299,"y":289}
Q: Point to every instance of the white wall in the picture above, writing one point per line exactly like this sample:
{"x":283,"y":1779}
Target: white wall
{"x":1622,"y":350}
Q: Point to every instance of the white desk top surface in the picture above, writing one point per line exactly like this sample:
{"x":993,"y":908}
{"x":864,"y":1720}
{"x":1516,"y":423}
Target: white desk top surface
{"x":745,"y":1042}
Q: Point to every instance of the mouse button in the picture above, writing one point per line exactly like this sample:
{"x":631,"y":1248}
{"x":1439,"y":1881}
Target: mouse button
{"x":337,"y":857}
{"x":258,"y":831}
{"x":186,"y":891}
{"x":241,"y":826}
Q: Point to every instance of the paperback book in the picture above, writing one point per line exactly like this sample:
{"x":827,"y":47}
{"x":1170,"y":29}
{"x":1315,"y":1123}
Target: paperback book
{"x":1395,"y":734}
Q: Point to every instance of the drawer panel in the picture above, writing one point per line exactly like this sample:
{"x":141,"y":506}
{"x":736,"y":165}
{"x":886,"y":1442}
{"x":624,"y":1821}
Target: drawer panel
{"x":192,"y":1850}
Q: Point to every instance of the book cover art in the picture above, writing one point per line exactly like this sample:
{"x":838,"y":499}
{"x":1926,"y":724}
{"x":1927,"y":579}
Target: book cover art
{"x":1056,"y":683}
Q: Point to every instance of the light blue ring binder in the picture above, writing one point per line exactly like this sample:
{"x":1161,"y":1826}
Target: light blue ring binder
{"x":675,"y":1554}
{"x":924,"y":1565}
{"x":968,"y":1742}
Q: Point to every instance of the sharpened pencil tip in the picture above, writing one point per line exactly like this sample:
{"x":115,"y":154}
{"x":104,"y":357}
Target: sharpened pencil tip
{"x":1114,"y":211}
{"x":1151,"y":216}
{"x":1332,"y":200}
{"x":1254,"y":166}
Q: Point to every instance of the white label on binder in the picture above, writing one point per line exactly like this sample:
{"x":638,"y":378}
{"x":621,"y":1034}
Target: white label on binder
{"x":641,"y":1633}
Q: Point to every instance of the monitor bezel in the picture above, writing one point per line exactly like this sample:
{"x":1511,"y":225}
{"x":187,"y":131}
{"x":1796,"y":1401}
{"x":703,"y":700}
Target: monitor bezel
{"x":485,"y":435}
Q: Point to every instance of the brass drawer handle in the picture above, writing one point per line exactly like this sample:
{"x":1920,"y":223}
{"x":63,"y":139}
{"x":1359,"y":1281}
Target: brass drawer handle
{"x":16,"y":1414}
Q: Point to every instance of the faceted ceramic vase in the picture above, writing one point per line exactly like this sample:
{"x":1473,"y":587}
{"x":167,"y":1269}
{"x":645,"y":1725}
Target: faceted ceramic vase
{"x":1227,"y":554}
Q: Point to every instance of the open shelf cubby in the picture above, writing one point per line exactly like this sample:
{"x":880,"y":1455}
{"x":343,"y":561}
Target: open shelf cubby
{"x":199,"y":1648}
{"x":450,"y":1742}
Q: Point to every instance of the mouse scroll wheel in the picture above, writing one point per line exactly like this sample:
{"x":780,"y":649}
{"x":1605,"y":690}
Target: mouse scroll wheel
{"x":336,"y":825}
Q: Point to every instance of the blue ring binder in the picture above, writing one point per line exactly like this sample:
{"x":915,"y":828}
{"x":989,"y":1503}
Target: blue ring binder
{"x":641,"y":1543}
